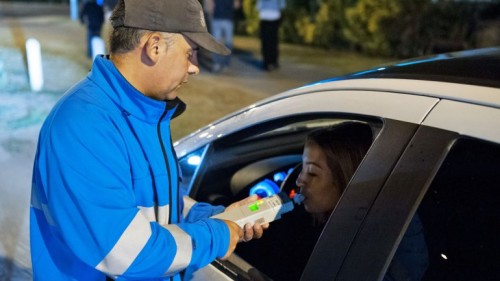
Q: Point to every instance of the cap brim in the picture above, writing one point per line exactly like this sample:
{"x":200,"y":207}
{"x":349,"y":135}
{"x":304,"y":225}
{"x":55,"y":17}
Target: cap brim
{"x":207,"y":42}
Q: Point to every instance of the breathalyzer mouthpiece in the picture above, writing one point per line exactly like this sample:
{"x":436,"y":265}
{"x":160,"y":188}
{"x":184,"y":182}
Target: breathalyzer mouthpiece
{"x":298,"y":198}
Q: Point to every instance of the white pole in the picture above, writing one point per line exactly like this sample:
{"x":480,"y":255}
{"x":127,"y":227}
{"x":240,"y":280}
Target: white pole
{"x":98,"y":46}
{"x":2,"y":76}
{"x":34,"y":57}
{"x":73,"y":9}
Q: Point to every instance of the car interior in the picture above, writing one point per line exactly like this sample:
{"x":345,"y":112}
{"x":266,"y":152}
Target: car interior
{"x":263,"y":160}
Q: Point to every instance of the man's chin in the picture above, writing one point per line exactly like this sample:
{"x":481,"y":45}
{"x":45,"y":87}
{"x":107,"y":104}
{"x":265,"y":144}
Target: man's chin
{"x":172,"y":95}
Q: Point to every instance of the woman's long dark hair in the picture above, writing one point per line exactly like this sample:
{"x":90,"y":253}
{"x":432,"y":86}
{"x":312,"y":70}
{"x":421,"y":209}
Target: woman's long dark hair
{"x":344,"y":145}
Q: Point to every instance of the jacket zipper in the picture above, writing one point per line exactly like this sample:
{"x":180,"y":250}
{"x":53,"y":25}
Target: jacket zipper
{"x":177,"y":178}
{"x":158,"y":130}
{"x":165,"y":156}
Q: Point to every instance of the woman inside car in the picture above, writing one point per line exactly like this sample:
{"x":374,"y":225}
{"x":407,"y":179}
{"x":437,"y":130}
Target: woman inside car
{"x":330,"y":158}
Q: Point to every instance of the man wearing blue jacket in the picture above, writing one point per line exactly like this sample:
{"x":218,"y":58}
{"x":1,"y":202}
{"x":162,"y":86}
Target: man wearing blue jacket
{"x":105,"y":200}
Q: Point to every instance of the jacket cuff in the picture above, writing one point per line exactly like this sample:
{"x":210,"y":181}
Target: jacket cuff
{"x":224,"y":244}
{"x":210,"y":238}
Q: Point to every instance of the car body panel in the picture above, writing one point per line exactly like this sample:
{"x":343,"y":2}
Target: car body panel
{"x":387,"y":95}
{"x":442,"y":90}
{"x":408,"y":108}
{"x":466,"y":119}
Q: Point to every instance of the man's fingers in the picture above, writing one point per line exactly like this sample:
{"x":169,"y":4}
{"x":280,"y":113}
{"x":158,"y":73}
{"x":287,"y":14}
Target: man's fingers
{"x":258,"y":230}
{"x":255,"y":231}
{"x":248,"y":232}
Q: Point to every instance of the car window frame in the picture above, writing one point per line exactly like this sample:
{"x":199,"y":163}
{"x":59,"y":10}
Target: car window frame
{"x":375,"y":244}
{"x":400,"y":131}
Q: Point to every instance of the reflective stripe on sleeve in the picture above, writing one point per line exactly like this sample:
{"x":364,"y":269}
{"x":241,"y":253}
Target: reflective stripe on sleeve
{"x":149,"y":213}
{"x":156,"y":214}
{"x":162,"y":214}
{"x":188,"y":204}
{"x":184,"y":249}
{"x":128,"y":247}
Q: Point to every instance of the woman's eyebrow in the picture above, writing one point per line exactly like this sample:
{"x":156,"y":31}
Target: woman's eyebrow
{"x":312,"y":163}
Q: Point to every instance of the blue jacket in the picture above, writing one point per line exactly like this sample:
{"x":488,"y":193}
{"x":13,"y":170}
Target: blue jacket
{"x":105,"y":195}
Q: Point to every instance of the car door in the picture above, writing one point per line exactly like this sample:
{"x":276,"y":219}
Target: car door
{"x":448,"y":178}
{"x":253,"y":140}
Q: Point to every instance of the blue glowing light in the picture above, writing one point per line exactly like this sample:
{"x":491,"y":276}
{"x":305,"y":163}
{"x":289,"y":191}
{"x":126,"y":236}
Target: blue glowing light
{"x":279,"y":177}
{"x":194,"y":160}
{"x":265,"y":188}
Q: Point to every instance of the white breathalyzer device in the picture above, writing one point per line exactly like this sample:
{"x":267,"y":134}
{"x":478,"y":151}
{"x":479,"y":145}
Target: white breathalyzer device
{"x":262,"y":211}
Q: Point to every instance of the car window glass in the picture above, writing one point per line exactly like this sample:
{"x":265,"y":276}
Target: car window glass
{"x":286,"y":246}
{"x":189,"y":166}
{"x":459,"y":216}
{"x":219,"y":181}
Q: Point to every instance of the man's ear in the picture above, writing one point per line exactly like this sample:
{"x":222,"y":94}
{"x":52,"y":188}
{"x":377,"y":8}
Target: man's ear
{"x":151,"y":48}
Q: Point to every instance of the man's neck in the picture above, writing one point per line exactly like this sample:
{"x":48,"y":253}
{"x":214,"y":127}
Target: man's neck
{"x":128,"y":64}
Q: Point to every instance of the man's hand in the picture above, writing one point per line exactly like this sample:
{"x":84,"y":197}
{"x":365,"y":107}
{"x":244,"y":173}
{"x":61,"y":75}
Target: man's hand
{"x":250,"y":232}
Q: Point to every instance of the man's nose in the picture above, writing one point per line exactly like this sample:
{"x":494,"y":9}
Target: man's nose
{"x":193,"y":69}
{"x":193,"y":66}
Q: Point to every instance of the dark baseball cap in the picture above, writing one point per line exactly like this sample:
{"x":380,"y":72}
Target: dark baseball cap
{"x":173,"y":16}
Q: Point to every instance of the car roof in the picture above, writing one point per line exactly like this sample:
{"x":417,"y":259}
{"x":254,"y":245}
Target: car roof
{"x":471,"y":76}
{"x":479,"y":67}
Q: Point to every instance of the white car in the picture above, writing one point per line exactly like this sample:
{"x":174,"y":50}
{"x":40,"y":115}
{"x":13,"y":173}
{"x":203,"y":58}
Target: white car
{"x":435,"y":154}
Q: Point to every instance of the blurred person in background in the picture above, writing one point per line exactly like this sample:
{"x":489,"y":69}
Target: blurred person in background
{"x":221,"y":14}
{"x":92,"y":16}
{"x":270,"y":15}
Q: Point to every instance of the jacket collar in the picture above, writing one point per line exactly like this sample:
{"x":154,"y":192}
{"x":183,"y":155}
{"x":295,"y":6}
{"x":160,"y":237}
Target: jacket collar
{"x":106,"y":76}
